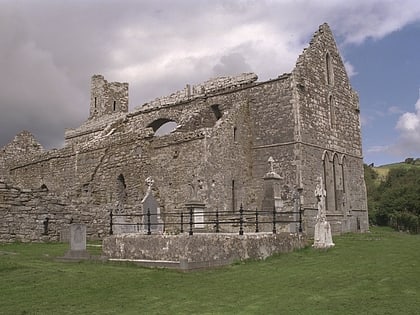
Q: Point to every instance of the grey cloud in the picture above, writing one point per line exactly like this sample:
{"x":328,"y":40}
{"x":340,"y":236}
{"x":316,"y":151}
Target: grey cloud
{"x":49,"y":49}
{"x":231,"y":64}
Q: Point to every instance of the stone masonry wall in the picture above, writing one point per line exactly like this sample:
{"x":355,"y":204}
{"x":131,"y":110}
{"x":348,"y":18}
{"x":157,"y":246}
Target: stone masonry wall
{"x":273,"y":126}
{"x":24,"y":212}
{"x":227,"y":128}
{"x":328,"y":132}
{"x":23,"y":147}
{"x":40,"y":215}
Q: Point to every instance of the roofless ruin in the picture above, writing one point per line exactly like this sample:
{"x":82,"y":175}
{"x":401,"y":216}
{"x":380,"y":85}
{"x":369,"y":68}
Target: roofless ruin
{"x":234,"y":143}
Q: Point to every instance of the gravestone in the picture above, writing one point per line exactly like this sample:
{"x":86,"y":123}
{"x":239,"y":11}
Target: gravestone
{"x":120,"y":223}
{"x":322,"y":237}
{"x":77,"y":243}
{"x":272,"y":196}
{"x":195,"y":206}
{"x":197,"y":213}
{"x":151,"y":210}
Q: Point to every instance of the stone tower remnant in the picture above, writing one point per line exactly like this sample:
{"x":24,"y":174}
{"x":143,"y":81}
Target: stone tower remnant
{"x":107,"y":97}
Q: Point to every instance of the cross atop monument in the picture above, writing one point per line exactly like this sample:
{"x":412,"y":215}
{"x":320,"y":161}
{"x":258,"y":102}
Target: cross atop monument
{"x":271,"y":162}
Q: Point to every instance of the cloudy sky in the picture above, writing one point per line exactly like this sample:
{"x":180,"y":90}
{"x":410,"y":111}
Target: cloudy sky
{"x":49,"y":49}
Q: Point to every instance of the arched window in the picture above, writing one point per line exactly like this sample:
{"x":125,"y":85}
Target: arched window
{"x":216,"y":111}
{"x":329,"y":69}
{"x":344,"y":171}
{"x":331,"y":108}
{"x":121,"y":189}
{"x":163,"y":126}
{"x":335,"y":182}
{"x":329,"y":181}
{"x":338,"y":183}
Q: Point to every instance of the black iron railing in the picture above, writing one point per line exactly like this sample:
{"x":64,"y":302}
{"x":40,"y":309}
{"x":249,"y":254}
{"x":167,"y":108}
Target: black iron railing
{"x":207,"y":221}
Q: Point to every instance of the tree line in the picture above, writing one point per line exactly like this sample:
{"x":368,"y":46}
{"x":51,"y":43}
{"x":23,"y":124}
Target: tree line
{"x":394,"y":200}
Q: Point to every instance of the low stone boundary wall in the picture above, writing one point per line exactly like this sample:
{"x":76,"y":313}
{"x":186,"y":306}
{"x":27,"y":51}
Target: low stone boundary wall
{"x":38,"y":215}
{"x":198,"y":250}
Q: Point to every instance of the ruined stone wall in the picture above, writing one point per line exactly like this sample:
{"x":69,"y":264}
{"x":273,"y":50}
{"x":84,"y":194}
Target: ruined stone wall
{"x":202,"y":146}
{"x":107,"y":97}
{"x":350,"y":204}
{"x":23,"y":147}
{"x":328,"y":130}
{"x":25,"y":213}
{"x":227,"y":128}
{"x":273,"y":135}
{"x":215,"y":85}
{"x":329,"y":108}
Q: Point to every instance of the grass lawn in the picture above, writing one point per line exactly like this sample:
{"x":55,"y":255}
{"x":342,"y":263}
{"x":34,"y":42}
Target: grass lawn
{"x":372,"y":273}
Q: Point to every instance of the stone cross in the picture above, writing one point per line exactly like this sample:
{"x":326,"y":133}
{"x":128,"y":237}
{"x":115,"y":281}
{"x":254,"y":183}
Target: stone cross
{"x":271,"y":162}
{"x":320,"y":194}
{"x":322,"y":235}
{"x":149,"y":182}
{"x":194,"y":187}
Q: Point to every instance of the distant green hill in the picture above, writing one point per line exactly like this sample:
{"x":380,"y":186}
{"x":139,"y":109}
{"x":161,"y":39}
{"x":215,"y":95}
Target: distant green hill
{"x":383,"y":170}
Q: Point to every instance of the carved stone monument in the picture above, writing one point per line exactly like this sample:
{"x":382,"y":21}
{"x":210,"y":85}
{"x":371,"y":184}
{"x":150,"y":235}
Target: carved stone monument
{"x":197,"y":207}
{"x":272,"y":194}
{"x":151,"y":210}
{"x":322,"y":237}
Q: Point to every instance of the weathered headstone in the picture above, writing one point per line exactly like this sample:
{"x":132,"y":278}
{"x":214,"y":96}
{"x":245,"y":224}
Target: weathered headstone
{"x":194,"y":206}
{"x":151,"y":210}
{"x":120,"y":223}
{"x":272,"y":196}
{"x":197,"y":213}
{"x":77,"y":243}
{"x":322,"y":237}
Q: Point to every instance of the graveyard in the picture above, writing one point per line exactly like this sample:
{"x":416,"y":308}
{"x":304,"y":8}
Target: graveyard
{"x":370,"y":273}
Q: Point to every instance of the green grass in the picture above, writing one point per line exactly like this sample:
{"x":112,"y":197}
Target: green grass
{"x":373,"y":273}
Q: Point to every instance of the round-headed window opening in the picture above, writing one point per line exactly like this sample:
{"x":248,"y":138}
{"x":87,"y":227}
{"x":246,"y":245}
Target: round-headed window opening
{"x":163,"y":126}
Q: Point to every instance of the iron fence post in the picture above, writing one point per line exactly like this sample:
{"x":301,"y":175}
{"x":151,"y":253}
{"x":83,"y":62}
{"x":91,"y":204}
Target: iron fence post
{"x":300,"y":190}
{"x":191,"y":222}
{"x":182,"y":222}
{"x":111,"y":232}
{"x":241,"y":220}
{"x":300,"y":219}
{"x":217,"y":221}
{"x":256,"y":221}
{"x":274,"y":220}
{"x":148,"y":222}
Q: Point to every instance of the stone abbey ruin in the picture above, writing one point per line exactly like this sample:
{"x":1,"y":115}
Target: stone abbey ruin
{"x":305,"y":122}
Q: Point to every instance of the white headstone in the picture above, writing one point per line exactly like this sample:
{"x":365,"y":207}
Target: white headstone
{"x":77,"y":244}
{"x":77,"y":237}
